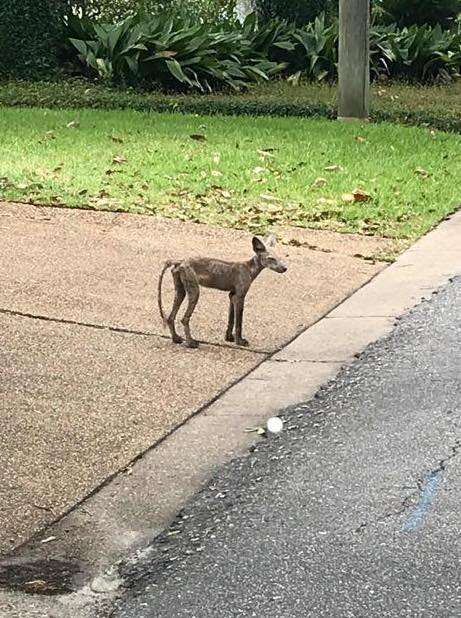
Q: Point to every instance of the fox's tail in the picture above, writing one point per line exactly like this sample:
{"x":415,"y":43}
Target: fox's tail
{"x":168,"y":264}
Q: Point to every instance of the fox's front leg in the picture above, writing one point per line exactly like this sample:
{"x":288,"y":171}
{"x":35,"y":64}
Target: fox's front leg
{"x":230,"y":321}
{"x":238,"y":311}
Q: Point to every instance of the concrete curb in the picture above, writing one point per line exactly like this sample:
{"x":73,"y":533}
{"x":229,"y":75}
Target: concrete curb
{"x":137,"y":505}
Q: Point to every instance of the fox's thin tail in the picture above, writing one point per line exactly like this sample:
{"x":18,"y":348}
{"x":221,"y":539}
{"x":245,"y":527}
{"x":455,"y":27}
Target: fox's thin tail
{"x":168,"y":264}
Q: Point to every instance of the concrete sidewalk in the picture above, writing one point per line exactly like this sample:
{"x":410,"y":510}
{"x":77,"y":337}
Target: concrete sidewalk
{"x":77,"y":402}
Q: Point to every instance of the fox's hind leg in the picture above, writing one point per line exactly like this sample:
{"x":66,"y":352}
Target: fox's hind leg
{"x":192,"y":288}
{"x":179,"y":295}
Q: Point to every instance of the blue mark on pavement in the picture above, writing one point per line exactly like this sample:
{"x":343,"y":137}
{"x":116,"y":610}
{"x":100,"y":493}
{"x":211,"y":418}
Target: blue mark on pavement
{"x":426,"y":498}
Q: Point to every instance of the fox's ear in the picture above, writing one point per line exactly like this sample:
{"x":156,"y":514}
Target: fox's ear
{"x":270,"y":240}
{"x":258,"y":245}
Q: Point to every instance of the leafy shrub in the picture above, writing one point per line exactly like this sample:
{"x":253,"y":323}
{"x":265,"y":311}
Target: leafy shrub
{"x":177,"y":52}
{"x":320,"y":46}
{"x":181,"y":53}
{"x":31,"y":32}
{"x":419,"y":12}
{"x":422,"y":53}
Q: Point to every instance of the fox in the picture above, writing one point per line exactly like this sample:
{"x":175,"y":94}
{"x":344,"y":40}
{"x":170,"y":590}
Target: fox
{"x":232,"y":277}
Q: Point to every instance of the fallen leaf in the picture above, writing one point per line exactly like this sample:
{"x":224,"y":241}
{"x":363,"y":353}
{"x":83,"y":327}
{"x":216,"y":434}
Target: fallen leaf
{"x":168,"y":53}
{"x":361,"y":196}
{"x":259,"y":430}
{"x":358,"y":195}
{"x":333,"y":168}
{"x":198,"y":137}
{"x":326,"y":201}
{"x":37,"y":586}
{"x":74,"y":124}
{"x":269,"y":198}
{"x":419,"y":171}
{"x":265,"y":154}
{"x":222,"y":192}
{"x":319,"y":182}
{"x":119,"y":159}
{"x":360,"y":139}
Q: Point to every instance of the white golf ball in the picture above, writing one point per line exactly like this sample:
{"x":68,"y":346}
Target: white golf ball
{"x":275,"y":424}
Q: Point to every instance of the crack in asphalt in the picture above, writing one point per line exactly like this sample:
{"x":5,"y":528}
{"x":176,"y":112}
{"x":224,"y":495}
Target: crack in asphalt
{"x":443,"y":462}
{"x":414,"y":498}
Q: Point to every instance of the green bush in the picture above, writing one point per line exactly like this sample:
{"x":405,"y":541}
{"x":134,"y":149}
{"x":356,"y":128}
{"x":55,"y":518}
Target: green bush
{"x":177,"y":53}
{"x":31,"y":32}
{"x":421,"y":53}
{"x":419,"y":12}
{"x":182,"y":53}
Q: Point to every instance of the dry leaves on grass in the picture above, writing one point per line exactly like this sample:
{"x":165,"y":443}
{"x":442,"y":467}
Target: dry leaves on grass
{"x":358,"y":195}
{"x":269,"y":198}
{"x":319,"y":182}
{"x":198,"y":137}
{"x":260,"y":170}
{"x":334,"y":168}
{"x":267,"y":153}
{"x":119,"y":159}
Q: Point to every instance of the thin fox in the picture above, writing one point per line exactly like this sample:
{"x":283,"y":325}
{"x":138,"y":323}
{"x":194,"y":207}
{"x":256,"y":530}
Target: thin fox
{"x":233,"y":277}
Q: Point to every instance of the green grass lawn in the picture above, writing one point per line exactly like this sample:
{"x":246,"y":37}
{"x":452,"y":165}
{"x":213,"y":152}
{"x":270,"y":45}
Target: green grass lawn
{"x":242,"y":172}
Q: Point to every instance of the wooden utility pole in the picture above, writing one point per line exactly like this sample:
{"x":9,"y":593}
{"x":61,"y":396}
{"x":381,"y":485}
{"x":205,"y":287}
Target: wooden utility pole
{"x":354,"y":59}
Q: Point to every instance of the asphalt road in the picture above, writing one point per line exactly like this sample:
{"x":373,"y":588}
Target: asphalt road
{"x":352,"y":511}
